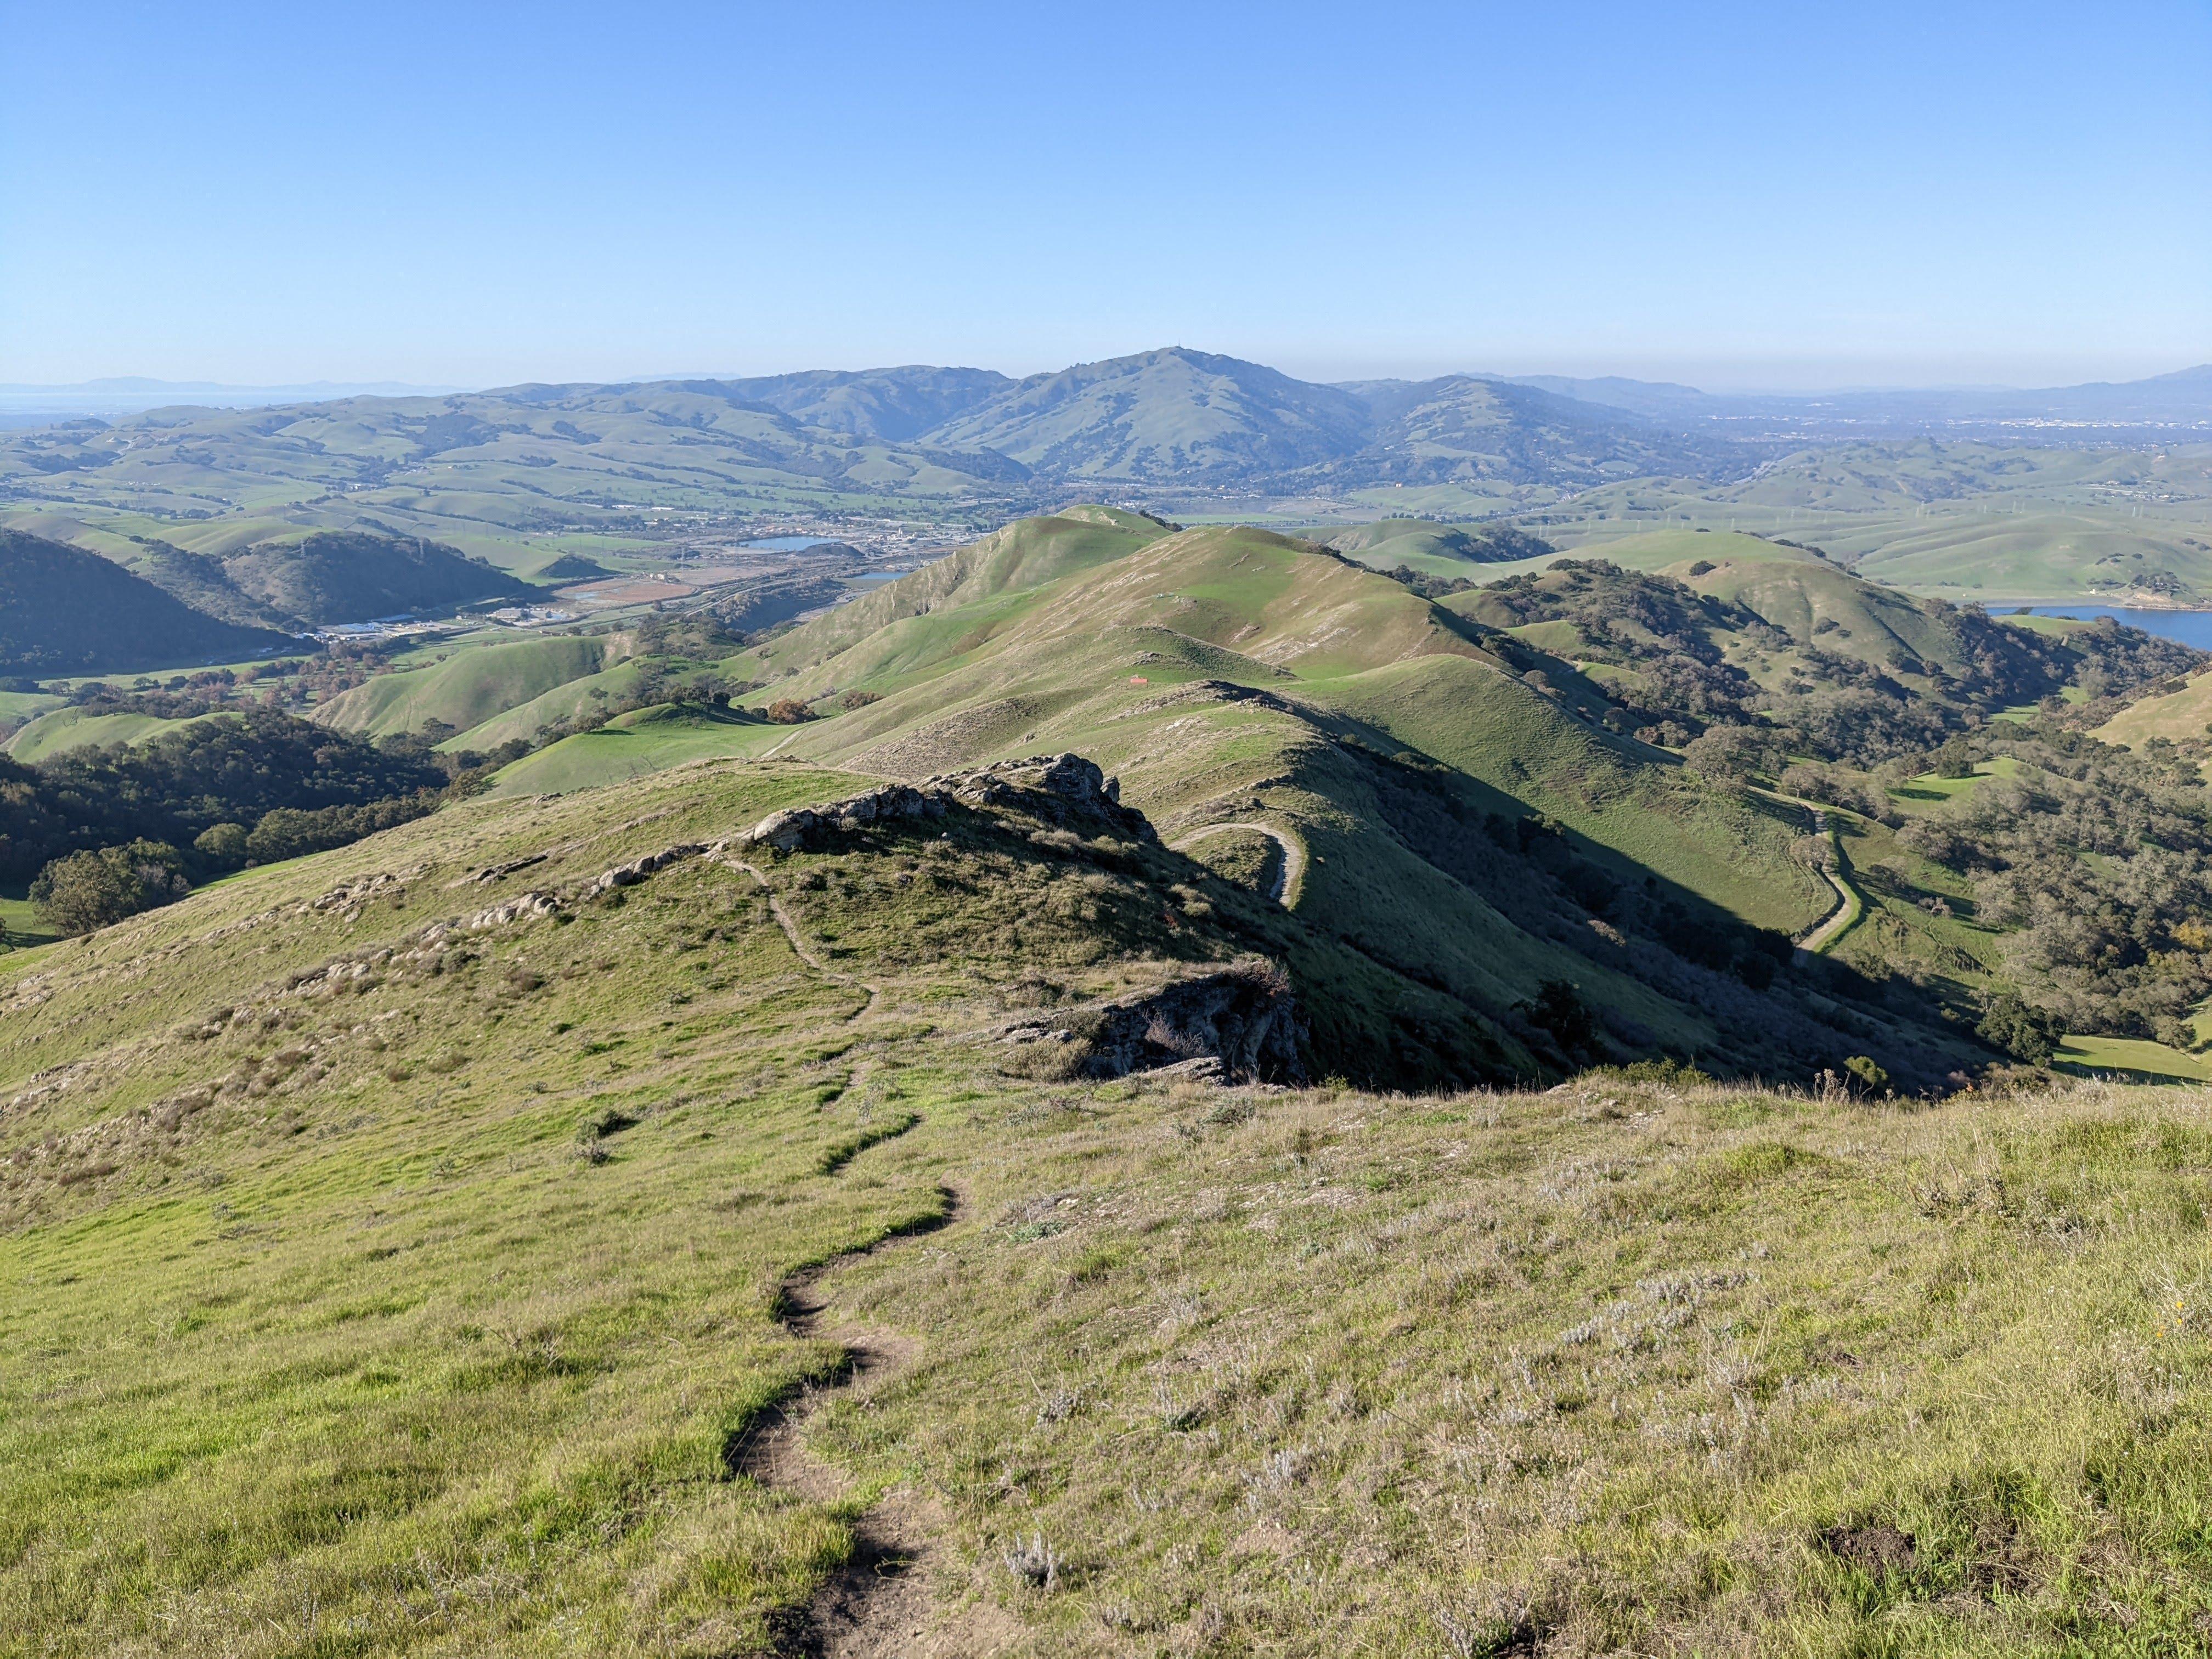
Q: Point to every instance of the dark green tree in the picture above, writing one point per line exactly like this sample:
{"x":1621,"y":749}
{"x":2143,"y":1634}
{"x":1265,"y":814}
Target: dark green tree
{"x":87,"y":890}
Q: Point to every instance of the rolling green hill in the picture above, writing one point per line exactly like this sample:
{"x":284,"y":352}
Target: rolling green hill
{"x":331,"y":576}
{"x":523,"y":474}
{"x":559,"y":1222}
{"x":1233,"y":676}
{"x":465,"y":688}
{"x":63,"y":729}
{"x":634,"y":744}
{"x":482,"y":472}
{"x":526,"y":476}
{"x":876,"y":1182}
{"x":1437,"y":549}
{"x":66,"y":611}
{"x":1765,"y":619}
{"x":1164,"y":415}
{"x":895,"y":404}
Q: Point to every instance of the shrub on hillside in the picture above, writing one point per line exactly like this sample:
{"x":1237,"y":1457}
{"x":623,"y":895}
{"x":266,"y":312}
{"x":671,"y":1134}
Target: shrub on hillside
{"x":224,"y":846}
{"x":789,"y":711}
{"x":1559,"y":1011}
{"x":1868,"y":1077}
{"x":87,"y":891}
{"x":2026,"y":1034}
{"x":1733,"y":753}
{"x":290,"y":833}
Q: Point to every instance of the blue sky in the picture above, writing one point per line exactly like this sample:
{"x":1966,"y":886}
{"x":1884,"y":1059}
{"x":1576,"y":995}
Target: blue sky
{"x":1772,"y":195}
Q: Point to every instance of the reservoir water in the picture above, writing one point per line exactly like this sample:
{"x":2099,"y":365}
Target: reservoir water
{"x":2190,"y":627}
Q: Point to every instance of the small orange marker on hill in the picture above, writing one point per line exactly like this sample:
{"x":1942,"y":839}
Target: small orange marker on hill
{"x":1139,"y":680}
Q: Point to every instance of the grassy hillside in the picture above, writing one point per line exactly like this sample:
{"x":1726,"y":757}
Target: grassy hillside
{"x":465,"y":688}
{"x":1437,"y":549}
{"x":64,"y":729}
{"x":66,"y":611}
{"x":1462,"y":820}
{"x":1468,"y":792}
{"x":1758,"y":632}
{"x":1659,"y":818}
{"x":1172,"y":414}
{"x":485,"y":472}
{"x":717,"y":1264}
{"x":585,"y":696}
{"x":633,"y":744}
{"x":2181,"y":715}
{"x":527,"y":474}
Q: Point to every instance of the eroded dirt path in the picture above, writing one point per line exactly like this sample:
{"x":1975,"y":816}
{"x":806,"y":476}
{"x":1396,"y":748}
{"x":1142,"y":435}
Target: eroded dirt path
{"x":1849,"y":904}
{"x":1293,"y":867}
{"x":878,"y":1604}
{"x":799,"y":947}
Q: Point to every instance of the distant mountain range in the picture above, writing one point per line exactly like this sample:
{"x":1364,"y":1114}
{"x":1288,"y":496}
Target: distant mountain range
{"x":961,"y":408}
{"x":541,"y":457}
{"x":485,"y":471}
{"x":919,"y":402}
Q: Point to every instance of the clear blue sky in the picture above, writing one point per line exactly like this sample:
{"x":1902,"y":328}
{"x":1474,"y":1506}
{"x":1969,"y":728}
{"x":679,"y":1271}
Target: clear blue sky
{"x":1771,"y":194}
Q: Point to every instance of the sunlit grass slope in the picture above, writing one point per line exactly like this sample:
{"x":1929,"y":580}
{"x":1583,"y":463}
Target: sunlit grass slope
{"x":63,"y":729}
{"x":1085,"y":663}
{"x":466,"y":687}
{"x":328,"y":1329}
{"x":1618,"y":1370}
{"x":1230,"y":674}
{"x":633,"y":745}
{"x":2175,"y":715}
{"x":1728,"y":847}
{"x":424,"y":1310}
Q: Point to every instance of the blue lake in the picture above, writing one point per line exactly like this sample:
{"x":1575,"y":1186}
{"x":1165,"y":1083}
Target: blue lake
{"x":2190,"y":627}
{"x":787,"y":544}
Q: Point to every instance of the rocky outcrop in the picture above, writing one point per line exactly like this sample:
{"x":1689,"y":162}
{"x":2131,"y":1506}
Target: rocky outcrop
{"x":789,"y":830}
{"x":1064,"y":790}
{"x":1241,"y":1024}
{"x":628,"y":875}
{"x":523,"y":907}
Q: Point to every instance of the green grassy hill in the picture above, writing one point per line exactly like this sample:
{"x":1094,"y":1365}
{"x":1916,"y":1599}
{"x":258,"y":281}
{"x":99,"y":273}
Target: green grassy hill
{"x":63,"y":729}
{"x":585,"y":695}
{"x":1171,"y":414}
{"x":2178,"y":716}
{"x":1999,"y":523}
{"x":525,"y":475}
{"x":1231,"y":674}
{"x":487,"y":473}
{"x":637,"y":742}
{"x":426,"y":1247}
{"x":334,"y":576}
{"x":1435,"y":550}
{"x":1759,"y":621}
{"x":467,"y":687}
